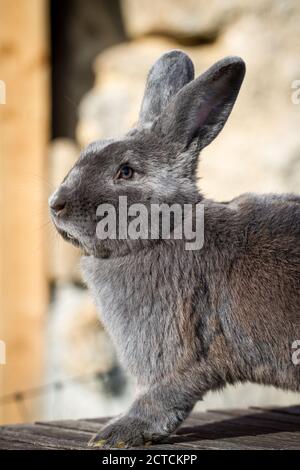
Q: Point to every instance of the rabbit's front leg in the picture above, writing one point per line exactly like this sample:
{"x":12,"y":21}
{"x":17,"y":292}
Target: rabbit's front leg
{"x":153,"y":416}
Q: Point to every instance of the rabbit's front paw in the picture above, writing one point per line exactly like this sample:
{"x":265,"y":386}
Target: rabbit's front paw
{"x":123,"y":433}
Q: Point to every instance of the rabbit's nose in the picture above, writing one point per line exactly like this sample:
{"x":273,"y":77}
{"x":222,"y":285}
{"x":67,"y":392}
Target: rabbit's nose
{"x":57,"y":203}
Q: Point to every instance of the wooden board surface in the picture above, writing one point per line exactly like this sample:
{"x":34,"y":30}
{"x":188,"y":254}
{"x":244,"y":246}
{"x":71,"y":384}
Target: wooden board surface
{"x":274,"y":428}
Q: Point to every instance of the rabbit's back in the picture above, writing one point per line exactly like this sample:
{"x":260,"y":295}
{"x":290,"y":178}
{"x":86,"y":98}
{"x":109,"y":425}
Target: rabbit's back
{"x":271,"y":223}
{"x":269,"y":260}
{"x":251,"y":257}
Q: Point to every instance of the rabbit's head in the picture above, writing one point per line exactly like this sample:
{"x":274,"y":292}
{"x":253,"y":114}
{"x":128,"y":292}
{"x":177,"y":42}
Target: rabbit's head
{"x":157,"y":161}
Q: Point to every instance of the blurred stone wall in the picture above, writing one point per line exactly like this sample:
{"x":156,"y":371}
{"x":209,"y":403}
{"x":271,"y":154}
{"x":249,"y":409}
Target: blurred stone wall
{"x":259,"y":148}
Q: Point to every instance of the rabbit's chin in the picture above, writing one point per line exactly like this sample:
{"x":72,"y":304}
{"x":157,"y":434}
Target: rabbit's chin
{"x":74,"y":241}
{"x":97,"y":250}
{"x":69,"y":238}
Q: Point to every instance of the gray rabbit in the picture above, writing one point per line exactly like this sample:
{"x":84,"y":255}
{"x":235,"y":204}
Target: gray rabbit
{"x":184,"y":321}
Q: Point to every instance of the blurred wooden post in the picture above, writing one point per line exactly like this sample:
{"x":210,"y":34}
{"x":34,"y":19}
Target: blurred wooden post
{"x":23,"y":141}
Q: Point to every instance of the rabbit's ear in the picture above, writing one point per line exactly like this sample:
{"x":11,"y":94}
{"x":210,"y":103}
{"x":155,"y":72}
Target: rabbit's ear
{"x":167,"y":76}
{"x":199,"y":111}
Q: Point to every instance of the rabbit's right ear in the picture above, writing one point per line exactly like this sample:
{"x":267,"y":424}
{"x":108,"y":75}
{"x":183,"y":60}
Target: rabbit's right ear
{"x":199,"y":111}
{"x":167,"y":76}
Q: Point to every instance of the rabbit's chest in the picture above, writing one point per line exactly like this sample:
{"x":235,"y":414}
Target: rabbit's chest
{"x":135,"y":316}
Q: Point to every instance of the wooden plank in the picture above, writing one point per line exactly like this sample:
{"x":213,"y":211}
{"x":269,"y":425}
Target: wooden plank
{"x":293,"y":421}
{"x":178,"y":439}
{"x":291,"y":410}
{"x":23,"y":147}
{"x":247,"y":430}
{"x":219,"y":429}
{"x":172,"y":442}
{"x":280,"y":432}
{"x":75,"y":425}
{"x":46,"y":437}
{"x":50,"y":436}
{"x":8,"y":444}
{"x":198,"y":435}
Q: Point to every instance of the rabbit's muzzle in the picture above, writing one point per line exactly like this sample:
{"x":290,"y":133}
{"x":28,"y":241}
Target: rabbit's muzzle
{"x":58,"y":203}
{"x":72,"y":217}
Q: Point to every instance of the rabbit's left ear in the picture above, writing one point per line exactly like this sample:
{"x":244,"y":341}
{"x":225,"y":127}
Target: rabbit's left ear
{"x":199,"y":110}
{"x":167,"y":76}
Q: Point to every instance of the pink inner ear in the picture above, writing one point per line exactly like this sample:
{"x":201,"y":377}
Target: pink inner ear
{"x":212,"y":101}
{"x":203,"y":113}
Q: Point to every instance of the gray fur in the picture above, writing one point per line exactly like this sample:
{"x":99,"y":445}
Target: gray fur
{"x":186,"y":322}
{"x":168,"y":75}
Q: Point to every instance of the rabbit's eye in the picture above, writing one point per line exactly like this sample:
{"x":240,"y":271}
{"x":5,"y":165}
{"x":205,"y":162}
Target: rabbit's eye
{"x":125,"y":172}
